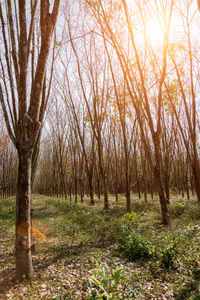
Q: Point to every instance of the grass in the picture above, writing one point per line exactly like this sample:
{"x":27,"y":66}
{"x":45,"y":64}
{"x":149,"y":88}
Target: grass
{"x":83,"y":252}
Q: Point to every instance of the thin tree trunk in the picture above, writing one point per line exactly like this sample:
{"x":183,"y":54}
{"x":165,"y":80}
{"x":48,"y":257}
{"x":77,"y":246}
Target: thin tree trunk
{"x":23,"y":218}
{"x":196,"y":174}
{"x":163,"y":202}
{"x":91,"y":192}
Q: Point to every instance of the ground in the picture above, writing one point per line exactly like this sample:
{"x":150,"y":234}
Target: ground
{"x":74,"y":243}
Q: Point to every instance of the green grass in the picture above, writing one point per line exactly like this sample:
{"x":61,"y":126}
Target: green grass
{"x":155,"y":262}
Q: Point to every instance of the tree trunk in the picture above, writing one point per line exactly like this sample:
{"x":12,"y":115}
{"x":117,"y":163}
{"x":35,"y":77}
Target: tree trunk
{"x":162,"y":198}
{"x":167,"y":178}
{"x":127,"y":178}
{"x":196,"y":172}
{"x":105,"y":191}
{"x":186,"y":184}
{"x":23,"y":218}
{"x":98,"y":188}
{"x":138,"y":187}
{"x":91,"y":191}
{"x":145,"y":190}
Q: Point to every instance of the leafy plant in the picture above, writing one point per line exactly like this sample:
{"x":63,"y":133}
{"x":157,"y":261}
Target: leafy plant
{"x":190,"y":231}
{"x":178,"y":209}
{"x":106,"y":284}
{"x":130,"y":220}
{"x":169,"y":253}
{"x":131,"y":243}
{"x":135,"y":246}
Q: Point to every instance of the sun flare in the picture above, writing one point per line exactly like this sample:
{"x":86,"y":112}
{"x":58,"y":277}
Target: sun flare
{"x":154,"y":32}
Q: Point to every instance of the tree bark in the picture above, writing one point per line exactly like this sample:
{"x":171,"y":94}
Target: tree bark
{"x":23,"y":217}
{"x":162,"y":198}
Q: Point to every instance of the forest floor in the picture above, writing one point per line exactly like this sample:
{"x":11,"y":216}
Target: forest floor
{"x":85,"y":251}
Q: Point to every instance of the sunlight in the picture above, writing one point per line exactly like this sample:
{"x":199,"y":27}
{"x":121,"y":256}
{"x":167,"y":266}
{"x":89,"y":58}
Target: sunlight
{"x":154,"y":32}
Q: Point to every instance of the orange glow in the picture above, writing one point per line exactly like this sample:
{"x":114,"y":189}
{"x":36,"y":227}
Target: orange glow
{"x":36,"y":234}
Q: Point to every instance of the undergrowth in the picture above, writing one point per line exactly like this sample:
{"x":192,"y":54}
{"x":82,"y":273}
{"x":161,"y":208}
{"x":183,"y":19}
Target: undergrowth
{"x":134,"y":255}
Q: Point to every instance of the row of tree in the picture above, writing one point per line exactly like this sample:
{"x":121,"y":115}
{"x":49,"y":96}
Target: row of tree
{"x":63,"y":171}
{"x":124,"y":113}
{"x":130,"y":104}
{"x":8,"y":166}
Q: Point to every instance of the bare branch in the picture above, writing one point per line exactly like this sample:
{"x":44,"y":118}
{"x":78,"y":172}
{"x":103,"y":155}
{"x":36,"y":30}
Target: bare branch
{"x":7,"y":97}
{"x":6,"y":117}
{"x":8,"y":66}
{"x":47,"y":24}
{"x":31,"y":28}
{"x":13,"y":42}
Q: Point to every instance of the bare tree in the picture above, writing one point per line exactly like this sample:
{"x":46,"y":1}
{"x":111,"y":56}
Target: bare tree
{"x":24,"y":107}
{"x":147,"y":98}
{"x":184,"y":92}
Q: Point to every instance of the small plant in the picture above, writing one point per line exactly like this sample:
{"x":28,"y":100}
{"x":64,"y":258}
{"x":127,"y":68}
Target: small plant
{"x":131,"y":221}
{"x":191,"y":231}
{"x":178,"y":209}
{"x":131,"y":217}
{"x":131,"y":242}
{"x":169,"y":253}
{"x":106,"y":284}
{"x":135,"y":246}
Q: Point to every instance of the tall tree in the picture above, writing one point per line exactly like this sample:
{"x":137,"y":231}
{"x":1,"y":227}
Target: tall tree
{"x":24,"y":107}
{"x":144,"y":88}
{"x":185,"y":92}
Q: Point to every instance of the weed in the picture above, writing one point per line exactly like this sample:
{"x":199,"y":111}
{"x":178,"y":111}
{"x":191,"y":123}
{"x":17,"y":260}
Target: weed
{"x":177,"y":209}
{"x":166,"y":259}
{"x":134,"y":246}
{"x":169,"y":253}
{"x":186,"y":290}
{"x":108,"y":284}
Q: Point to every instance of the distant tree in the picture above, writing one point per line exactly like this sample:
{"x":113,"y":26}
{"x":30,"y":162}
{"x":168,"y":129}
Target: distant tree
{"x":97,"y":98}
{"x":23,"y":100}
{"x":144,"y":71}
{"x":8,"y":166}
{"x":183,"y":93}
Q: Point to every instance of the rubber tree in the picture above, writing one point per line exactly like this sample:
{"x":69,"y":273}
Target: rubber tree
{"x":96,"y":100}
{"x":81,"y":128}
{"x":23,"y":102}
{"x":187,"y":89}
{"x":144,"y":89}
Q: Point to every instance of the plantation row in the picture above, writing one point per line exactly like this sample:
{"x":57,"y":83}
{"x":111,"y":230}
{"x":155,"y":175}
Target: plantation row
{"x":62,"y":171}
{"x":123,"y":112}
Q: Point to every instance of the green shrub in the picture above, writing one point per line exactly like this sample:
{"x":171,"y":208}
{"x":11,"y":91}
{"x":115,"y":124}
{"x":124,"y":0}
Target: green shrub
{"x":106,"y":284}
{"x":134,"y":246}
{"x":190,"y":231}
{"x":177,"y":209}
{"x":131,"y":243}
{"x":169,"y":253}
